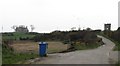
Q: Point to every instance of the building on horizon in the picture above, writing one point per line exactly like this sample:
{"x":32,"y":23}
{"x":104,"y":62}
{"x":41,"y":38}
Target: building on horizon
{"x":22,"y":29}
{"x":107,"y":27}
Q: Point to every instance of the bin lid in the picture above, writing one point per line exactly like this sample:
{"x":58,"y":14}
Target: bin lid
{"x":42,"y":42}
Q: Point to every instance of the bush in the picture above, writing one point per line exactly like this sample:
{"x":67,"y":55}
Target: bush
{"x":7,"y":41}
{"x":24,"y":38}
{"x":83,"y":46}
{"x":90,"y":38}
{"x":36,"y":38}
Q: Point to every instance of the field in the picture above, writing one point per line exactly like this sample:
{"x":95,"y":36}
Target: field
{"x":33,"y":47}
{"x":17,"y":36}
{"x":25,"y":50}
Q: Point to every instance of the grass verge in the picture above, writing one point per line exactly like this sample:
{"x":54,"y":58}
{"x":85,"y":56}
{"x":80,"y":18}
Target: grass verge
{"x":14,"y":58}
{"x":85,"y":47}
{"x":82,"y":46}
{"x":8,"y":57}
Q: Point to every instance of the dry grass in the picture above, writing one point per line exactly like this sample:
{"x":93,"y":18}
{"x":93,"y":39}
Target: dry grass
{"x":28,"y":46}
{"x":56,"y":47}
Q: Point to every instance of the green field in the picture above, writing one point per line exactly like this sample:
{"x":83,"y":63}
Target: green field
{"x":17,"y":36}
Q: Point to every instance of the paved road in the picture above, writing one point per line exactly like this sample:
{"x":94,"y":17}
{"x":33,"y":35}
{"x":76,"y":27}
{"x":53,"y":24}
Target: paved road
{"x":95,"y":56}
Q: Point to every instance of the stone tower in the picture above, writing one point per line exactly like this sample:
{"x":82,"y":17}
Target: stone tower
{"x":107,"y":27}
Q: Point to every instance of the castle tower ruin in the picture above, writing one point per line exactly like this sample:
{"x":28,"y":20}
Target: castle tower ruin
{"x":107,"y":27}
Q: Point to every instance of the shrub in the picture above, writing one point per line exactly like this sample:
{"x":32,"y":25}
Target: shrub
{"x":37,"y":38}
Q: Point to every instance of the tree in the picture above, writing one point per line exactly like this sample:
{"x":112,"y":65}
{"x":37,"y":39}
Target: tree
{"x":32,"y":27}
{"x":88,"y":29}
{"x":14,"y":27}
{"x":73,"y":28}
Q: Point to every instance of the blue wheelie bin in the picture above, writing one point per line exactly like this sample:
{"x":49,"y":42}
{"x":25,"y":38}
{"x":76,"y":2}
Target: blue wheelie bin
{"x":43,"y":48}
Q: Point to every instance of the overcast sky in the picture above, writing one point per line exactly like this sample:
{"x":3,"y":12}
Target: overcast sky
{"x":50,"y":15}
